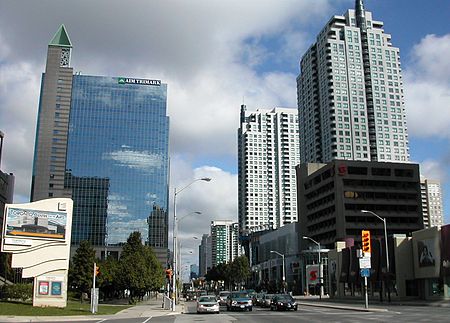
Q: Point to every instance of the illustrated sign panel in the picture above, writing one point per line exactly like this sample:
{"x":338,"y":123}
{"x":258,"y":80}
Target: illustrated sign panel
{"x":56,"y":288}
{"x":35,"y":224}
{"x":426,"y":253}
{"x":43,"y":288}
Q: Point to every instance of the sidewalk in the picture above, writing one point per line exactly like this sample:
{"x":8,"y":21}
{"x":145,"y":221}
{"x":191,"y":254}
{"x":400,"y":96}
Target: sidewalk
{"x":357,"y":304}
{"x":148,"y":308}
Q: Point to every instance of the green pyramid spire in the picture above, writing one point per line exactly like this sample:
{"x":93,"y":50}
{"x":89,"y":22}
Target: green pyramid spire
{"x":61,"y":38}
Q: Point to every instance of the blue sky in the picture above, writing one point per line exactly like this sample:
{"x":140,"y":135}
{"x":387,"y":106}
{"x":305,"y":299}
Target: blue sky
{"x":214,"y":55}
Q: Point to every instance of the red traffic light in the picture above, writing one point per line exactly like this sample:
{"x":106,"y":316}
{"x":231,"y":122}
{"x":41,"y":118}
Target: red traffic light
{"x":366,"y":245}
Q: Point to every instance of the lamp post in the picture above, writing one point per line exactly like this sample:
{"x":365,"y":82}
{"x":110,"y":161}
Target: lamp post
{"x":320,"y":264}
{"x":284,"y":272}
{"x":175,"y":232}
{"x":385,"y":241}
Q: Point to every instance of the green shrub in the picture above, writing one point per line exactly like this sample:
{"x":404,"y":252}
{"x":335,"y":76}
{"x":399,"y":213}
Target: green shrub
{"x":22,"y":292}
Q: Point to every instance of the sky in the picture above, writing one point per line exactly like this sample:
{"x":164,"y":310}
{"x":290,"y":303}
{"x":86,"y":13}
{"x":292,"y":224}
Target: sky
{"x":214,"y":55}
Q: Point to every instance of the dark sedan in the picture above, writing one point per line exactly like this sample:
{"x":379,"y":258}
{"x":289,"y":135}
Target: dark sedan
{"x":283,"y":302}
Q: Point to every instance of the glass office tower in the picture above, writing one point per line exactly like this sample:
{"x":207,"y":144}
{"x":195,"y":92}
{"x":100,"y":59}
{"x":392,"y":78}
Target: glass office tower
{"x":103,"y":141}
{"x":117,"y":156}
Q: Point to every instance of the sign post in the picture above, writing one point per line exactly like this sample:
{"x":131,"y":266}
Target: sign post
{"x":94,"y":291}
{"x":365,"y":263}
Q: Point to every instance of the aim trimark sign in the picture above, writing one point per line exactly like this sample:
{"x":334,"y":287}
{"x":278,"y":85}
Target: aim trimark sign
{"x":38,"y":236}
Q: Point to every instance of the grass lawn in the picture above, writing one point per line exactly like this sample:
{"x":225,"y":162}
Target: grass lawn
{"x":73,"y":308}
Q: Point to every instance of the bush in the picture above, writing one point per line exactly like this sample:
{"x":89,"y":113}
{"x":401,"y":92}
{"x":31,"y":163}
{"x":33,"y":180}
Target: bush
{"x":22,"y":292}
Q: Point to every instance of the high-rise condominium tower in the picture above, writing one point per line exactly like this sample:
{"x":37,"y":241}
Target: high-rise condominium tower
{"x":350,"y":93}
{"x":268,"y":153}
{"x":432,"y":208}
{"x":103,"y":141}
{"x":224,"y":242}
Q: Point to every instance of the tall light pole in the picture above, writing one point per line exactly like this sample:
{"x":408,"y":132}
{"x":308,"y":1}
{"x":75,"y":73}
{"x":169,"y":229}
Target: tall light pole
{"x":175,"y":232}
{"x":320,"y":264}
{"x":284,"y":272}
{"x":385,"y":241}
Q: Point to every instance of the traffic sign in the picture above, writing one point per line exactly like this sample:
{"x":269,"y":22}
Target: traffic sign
{"x":365,"y":272}
{"x":364,"y":262}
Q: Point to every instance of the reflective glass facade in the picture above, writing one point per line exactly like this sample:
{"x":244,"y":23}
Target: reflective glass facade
{"x":117,"y":157}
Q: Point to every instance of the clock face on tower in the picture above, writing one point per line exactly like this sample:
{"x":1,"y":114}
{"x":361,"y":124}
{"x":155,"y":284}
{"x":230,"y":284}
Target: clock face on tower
{"x":65,"y":57}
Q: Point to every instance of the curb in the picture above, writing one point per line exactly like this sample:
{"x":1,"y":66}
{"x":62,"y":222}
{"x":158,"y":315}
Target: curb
{"x":347,"y":308}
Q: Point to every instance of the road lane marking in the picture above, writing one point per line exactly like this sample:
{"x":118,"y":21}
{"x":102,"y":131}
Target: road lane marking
{"x":148,"y":319}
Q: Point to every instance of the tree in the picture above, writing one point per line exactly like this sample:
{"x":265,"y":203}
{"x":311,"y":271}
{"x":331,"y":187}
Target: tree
{"x":107,"y":280}
{"x":5,"y":266}
{"x":240,"y":270}
{"x":140,"y":271}
{"x":81,"y":268}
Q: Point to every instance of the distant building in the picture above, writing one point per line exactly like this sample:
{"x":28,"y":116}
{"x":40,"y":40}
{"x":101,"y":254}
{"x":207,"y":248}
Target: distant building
{"x":193,"y":271}
{"x":205,"y":255}
{"x":6,"y":187}
{"x":224,"y":241}
{"x":431,"y":202}
{"x":268,"y":151}
{"x":350,"y":93}
{"x":103,"y":141}
{"x":332,"y":196}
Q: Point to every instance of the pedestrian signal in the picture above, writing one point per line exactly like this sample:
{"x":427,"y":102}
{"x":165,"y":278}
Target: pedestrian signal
{"x":169,"y":274}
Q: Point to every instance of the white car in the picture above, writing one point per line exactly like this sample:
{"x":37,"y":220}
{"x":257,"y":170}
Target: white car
{"x":223,"y":297}
{"x":208,"y":304}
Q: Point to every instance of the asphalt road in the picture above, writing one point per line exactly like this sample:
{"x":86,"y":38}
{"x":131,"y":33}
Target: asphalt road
{"x":308,"y":314}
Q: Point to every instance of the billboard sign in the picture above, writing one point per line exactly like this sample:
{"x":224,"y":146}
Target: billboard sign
{"x":426,"y":253}
{"x":312,"y":274}
{"x":26,"y":223}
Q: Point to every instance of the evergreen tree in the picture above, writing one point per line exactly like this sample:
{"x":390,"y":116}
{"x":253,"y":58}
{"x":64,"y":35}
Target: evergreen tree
{"x":81,"y":268}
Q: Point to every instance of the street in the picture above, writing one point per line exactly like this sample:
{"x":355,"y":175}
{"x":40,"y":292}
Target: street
{"x":304,"y":314}
{"x":317,"y":314}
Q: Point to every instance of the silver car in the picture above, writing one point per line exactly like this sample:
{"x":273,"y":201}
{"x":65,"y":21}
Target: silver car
{"x":208,"y":304}
{"x":266,"y":300}
{"x":223,"y":297}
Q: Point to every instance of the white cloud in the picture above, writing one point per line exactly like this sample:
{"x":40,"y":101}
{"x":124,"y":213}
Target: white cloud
{"x":194,"y":46}
{"x":427,"y":88}
{"x":140,"y":160}
{"x":434,"y":169}
{"x":216,"y":200}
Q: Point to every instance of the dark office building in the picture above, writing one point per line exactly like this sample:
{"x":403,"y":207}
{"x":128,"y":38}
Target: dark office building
{"x":158,"y":228}
{"x":103,"y":141}
{"x":6,"y":186}
{"x":90,"y":196}
{"x":332,"y":195}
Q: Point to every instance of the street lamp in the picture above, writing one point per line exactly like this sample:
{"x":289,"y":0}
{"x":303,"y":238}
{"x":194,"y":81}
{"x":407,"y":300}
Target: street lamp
{"x":175,"y":231}
{"x":385,"y":241}
{"x":284,"y":272}
{"x":320,"y":264}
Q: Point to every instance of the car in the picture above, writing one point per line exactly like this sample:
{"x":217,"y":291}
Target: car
{"x":208,"y":304}
{"x":266,"y":300}
{"x":223,"y":297}
{"x":257,"y":299}
{"x":283,"y":302}
{"x":239,"y":301}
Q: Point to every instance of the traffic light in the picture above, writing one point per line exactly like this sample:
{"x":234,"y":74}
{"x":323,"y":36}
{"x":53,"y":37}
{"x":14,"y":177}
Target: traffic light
{"x":169,"y":274}
{"x":366,"y":246}
{"x":97,"y":270}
